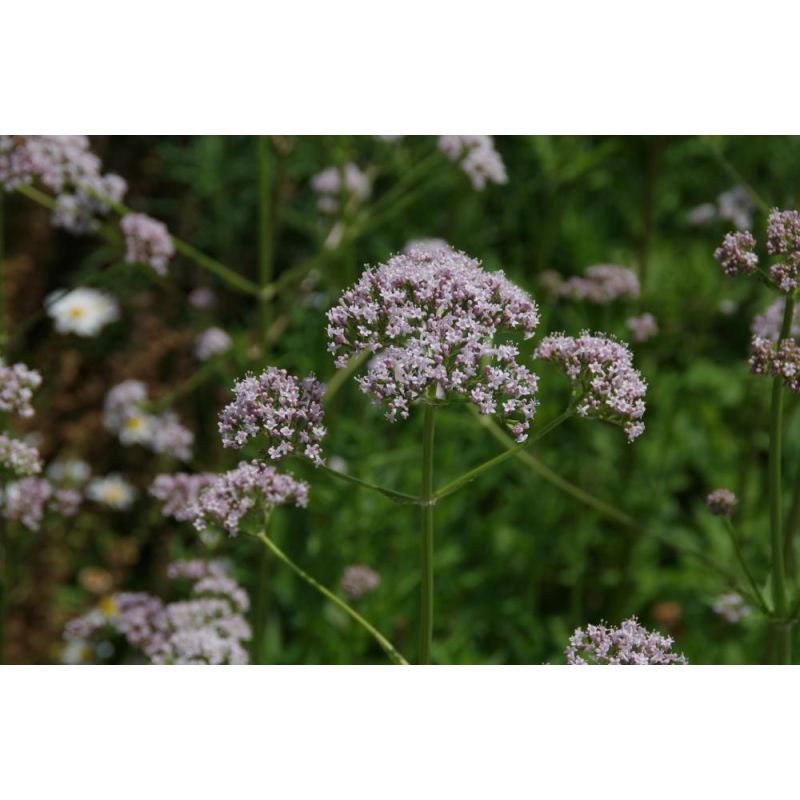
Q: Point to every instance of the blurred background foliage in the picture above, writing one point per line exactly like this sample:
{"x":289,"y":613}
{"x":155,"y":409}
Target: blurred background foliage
{"x":519,"y":562}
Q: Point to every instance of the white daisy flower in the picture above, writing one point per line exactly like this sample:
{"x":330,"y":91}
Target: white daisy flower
{"x":83,"y":312}
{"x":113,"y":491}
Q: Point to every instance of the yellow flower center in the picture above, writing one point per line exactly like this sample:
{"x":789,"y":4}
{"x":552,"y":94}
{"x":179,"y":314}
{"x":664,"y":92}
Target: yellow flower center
{"x":76,"y":312}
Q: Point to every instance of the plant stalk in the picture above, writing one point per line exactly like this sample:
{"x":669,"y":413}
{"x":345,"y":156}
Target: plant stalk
{"x":428,"y":499}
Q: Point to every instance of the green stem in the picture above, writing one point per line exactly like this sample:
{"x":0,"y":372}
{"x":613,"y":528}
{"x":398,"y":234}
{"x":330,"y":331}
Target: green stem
{"x":782,"y":629}
{"x":387,"y":646}
{"x":264,"y":234}
{"x":197,"y":378}
{"x":790,"y":531}
{"x":397,"y":497}
{"x":737,"y":548}
{"x":233,"y":279}
{"x":428,"y":500}
{"x":456,"y":484}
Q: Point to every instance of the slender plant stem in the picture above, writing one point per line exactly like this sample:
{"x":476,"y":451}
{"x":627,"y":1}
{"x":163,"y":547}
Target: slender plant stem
{"x":397,"y":497}
{"x":428,"y":500}
{"x":233,"y":279}
{"x":735,"y":174}
{"x":196,"y":379}
{"x":264,"y":234}
{"x":737,"y":548}
{"x":457,"y":483}
{"x":387,"y":646}
{"x":783,"y":642}
{"x":790,"y":530}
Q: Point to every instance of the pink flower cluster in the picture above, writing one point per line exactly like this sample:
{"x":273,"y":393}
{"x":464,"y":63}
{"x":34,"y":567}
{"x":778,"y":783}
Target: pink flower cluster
{"x":359,"y":580}
{"x":20,"y":458}
{"x":600,"y":283}
{"x":65,"y":166}
{"x":782,"y":361}
{"x":643,"y":327}
{"x":286,"y":410}
{"x":334,"y":182}
{"x":630,"y":643}
{"x":478,"y":158}
{"x":731,"y":607}
{"x":17,"y":385}
{"x":230,"y":496}
{"x":147,"y":241}
{"x":431,"y":319}
{"x":208,"y":628}
{"x":604,"y":379}
{"x":180,"y":491}
{"x":212,"y":342}
{"x":26,"y":501}
{"x":768,"y":325}
{"x":735,"y":255}
{"x":721,"y":502}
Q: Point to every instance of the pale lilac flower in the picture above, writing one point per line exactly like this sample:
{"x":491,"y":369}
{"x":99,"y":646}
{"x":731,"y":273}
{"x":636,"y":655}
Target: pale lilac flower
{"x":202,"y":297}
{"x":20,"y":458}
{"x":231,"y":495}
{"x":212,"y":342}
{"x":768,"y":325}
{"x":70,"y":471}
{"x":630,"y":643}
{"x":359,"y":580}
{"x":112,"y":491}
{"x":604,"y":379}
{"x":721,"y":502}
{"x":431,"y":320}
{"x":736,"y":207}
{"x":731,"y":607}
{"x":17,"y":385}
{"x":286,"y":411}
{"x":702,"y":215}
{"x":601,"y":283}
{"x":179,"y":491}
{"x":170,"y":437}
{"x":643,"y":327}
{"x":208,"y":628}
{"x":736,"y":254}
{"x":147,"y":241}
{"x":84,"y":312}
{"x":782,"y":361}
{"x":478,"y":158}
{"x":426,"y":245}
{"x":333,"y":182}
{"x":26,"y":501}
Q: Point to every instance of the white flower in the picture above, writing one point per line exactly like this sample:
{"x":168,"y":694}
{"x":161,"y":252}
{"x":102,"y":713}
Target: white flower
{"x":71,"y":470}
{"x":211,"y":342}
{"x":113,"y":491}
{"x":83,"y":312}
{"x":137,"y":428}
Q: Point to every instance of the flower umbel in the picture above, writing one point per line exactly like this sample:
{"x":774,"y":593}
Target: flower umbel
{"x":630,"y":643}
{"x":431,"y":319}
{"x":607,"y":385}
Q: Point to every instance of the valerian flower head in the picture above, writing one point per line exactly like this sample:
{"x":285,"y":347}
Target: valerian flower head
{"x":208,"y":628}
{"x":179,"y":491}
{"x":20,"y":458}
{"x":721,"y":502}
{"x":333,"y":182}
{"x":736,"y":207}
{"x":781,"y":362}
{"x":431,"y":319}
{"x":478,"y":158}
{"x":601,"y":284}
{"x":26,"y":501}
{"x":630,"y":643}
{"x":736,"y":254}
{"x":359,"y":580}
{"x":147,"y":241}
{"x":731,"y":607}
{"x":643,"y":327}
{"x":230,"y":496}
{"x":212,"y":342}
{"x":17,"y":385}
{"x":285,"y":410}
{"x":84,"y":312}
{"x":607,"y":385}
